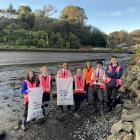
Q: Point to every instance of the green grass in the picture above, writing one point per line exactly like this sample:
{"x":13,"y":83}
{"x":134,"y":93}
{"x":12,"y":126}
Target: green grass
{"x":136,"y":56}
{"x":138,"y":52}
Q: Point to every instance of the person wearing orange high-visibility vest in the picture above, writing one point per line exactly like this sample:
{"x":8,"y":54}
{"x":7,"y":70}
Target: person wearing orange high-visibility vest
{"x":87,"y":71}
{"x":25,"y":87}
{"x":97,"y":84}
{"x":64,"y":73}
{"x":44,"y":81}
{"x":79,"y":89}
{"x":113,"y":82}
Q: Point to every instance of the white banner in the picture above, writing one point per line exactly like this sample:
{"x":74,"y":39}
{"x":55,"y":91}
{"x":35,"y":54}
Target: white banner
{"x":64,"y":91}
{"x":34,"y":103}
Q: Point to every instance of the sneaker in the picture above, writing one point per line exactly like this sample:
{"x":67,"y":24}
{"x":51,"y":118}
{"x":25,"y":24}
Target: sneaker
{"x":23,"y":127}
{"x":69,"y":111}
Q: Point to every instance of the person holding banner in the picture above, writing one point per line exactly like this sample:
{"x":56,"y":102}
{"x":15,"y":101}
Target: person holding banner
{"x":79,"y":86}
{"x":64,"y":73}
{"x":97,"y":84}
{"x":87,"y":71}
{"x":44,"y":81}
{"x":25,"y":86}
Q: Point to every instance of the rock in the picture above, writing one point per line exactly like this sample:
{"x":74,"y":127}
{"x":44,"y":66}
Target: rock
{"x":129,"y":106}
{"x":138,"y":61}
{"x":137,"y":92}
{"x":111,"y":137}
{"x":118,"y":109}
{"x":125,"y":112}
{"x":2,"y":134}
{"x":137,"y":134}
{"x":119,"y":137}
{"x":8,"y":105}
{"x":136,"y":124}
{"x":128,"y":126}
{"x":130,"y":117}
{"x":130,"y":77}
{"x":122,"y":89}
{"x":128,"y":137}
{"x":6,"y":97}
{"x":135,"y":69}
{"x":127,"y":101}
{"x":16,"y":127}
{"x":137,"y":84}
{"x":117,"y":127}
{"x":136,"y":109}
{"x":138,"y":76}
{"x":77,"y":116}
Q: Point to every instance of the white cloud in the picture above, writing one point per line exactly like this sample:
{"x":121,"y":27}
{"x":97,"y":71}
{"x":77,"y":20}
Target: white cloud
{"x":130,"y":10}
{"x":118,"y":12}
{"x":114,"y":13}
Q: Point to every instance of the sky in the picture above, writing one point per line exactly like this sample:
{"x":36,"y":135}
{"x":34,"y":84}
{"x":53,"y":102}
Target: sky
{"x":107,"y":15}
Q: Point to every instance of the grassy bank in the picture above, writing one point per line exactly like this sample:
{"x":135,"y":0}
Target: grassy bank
{"x":136,"y":56}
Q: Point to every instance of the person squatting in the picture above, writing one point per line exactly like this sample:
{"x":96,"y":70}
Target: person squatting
{"x":87,"y":82}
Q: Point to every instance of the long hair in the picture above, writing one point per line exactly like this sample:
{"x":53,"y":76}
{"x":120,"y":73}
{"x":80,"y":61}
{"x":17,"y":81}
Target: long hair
{"x":89,"y":63}
{"x":28,"y":78}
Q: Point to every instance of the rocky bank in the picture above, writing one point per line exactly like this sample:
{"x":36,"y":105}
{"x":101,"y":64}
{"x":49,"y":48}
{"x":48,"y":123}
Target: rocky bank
{"x":128,"y":126}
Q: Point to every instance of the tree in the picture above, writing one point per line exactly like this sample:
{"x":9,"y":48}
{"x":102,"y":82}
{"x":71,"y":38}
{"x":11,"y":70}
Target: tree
{"x":10,"y":9}
{"x":24,"y":10}
{"x":47,"y":11}
{"x":74,"y":41}
{"x":42,"y":17}
{"x":26,"y":17}
{"x":120,"y":39}
{"x":59,"y":43}
{"x":73,"y":14}
{"x":42,"y":43}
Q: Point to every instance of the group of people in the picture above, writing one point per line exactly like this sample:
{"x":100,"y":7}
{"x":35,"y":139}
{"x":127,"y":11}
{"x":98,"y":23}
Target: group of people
{"x":89,"y":80}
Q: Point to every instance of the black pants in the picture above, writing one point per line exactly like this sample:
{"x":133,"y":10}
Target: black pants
{"x":87,"y":90}
{"x":68,"y":107}
{"x":78,"y":98}
{"x":25,"y":110}
{"x":111,"y":96}
{"x":97,"y":96}
{"x":25,"y":114}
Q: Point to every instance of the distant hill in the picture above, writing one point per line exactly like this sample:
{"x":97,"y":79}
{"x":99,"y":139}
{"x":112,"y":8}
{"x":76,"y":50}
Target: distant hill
{"x":136,"y":36}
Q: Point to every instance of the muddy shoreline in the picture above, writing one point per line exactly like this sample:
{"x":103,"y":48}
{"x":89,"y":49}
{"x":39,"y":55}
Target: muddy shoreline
{"x":60,"y":50}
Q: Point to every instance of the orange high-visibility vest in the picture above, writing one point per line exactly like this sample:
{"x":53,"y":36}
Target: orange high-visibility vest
{"x":79,"y":84}
{"x":101,"y":75}
{"x":45,"y":83}
{"x":88,"y":73}
{"x":118,"y":81}
{"x":29,"y":85}
{"x":62,"y":75}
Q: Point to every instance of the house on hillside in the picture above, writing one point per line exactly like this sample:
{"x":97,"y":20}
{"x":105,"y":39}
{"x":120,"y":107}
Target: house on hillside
{"x":4,"y":14}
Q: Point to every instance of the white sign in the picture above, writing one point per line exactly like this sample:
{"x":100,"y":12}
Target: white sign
{"x":64,"y":91}
{"x":34,"y":103}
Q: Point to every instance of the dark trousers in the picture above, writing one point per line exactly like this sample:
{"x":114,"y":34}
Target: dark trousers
{"x":111,"y":96}
{"x":25,"y":114}
{"x":68,"y":107}
{"x":97,"y":96}
{"x":25,"y":110}
{"x":87,"y":90}
{"x":78,"y":98}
